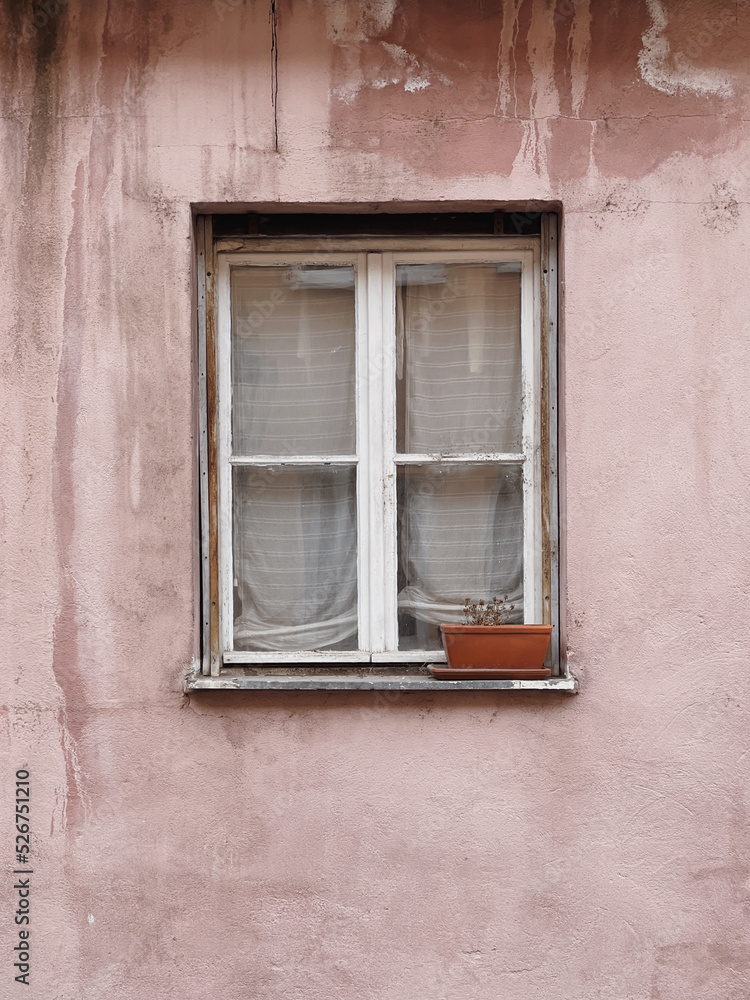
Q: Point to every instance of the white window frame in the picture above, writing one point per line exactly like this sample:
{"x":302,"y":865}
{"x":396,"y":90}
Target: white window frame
{"x":374,"y":262}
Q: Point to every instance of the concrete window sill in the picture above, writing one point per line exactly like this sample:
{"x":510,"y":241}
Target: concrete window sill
{"x":396,"y":679}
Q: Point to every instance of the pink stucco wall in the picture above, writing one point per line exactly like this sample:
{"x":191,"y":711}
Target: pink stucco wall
{"x":304,"y":847}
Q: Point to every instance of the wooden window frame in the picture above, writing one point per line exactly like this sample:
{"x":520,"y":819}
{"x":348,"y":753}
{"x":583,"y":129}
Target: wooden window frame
{"x":375,"y":261}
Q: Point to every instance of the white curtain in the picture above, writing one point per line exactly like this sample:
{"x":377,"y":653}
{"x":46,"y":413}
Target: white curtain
{"x":459,"y":358}
{"x":295,"y":541}
{"x":459,"y":390}
{"x":461,"y":535}
{"x":295,"y":557}
{"x":293,"y":361}
{"x":294,"y":538}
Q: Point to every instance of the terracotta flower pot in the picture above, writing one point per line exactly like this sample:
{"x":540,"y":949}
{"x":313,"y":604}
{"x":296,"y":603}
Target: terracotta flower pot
{"x":506,"y":647}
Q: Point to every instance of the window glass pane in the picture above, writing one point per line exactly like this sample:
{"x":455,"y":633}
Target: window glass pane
{"x":458,"y":358}
{"x":293,"y":360}
{"x":295,"y":558}
{"x":460,"y":534}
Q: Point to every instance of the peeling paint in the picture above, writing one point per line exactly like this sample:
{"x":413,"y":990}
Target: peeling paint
{"x":670,"y":72}
{"x":402,"y":69}
{"x":721,"y":214}
{"x":350,"y":23}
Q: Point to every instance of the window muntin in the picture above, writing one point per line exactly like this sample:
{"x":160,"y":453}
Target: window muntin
{"x":475,"y":487}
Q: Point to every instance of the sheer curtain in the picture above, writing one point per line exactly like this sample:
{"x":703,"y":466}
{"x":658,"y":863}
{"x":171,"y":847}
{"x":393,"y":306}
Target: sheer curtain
{"x":461,"y":535}
{"x":459,"y":392}
{"x":459,"y":358}
{"x":294,"y":532}
{"x":293,"y":361}
{"x":295,"y":558}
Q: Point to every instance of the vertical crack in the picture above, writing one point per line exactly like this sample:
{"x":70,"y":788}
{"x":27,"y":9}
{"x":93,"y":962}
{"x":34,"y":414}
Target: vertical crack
{"x":273,"y":20}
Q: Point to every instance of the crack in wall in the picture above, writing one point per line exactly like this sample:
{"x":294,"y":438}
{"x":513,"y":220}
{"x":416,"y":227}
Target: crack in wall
{"x":274,"y":22}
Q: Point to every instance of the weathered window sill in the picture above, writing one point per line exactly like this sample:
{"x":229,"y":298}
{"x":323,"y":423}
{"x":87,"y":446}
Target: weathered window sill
{"x":274,"y":680}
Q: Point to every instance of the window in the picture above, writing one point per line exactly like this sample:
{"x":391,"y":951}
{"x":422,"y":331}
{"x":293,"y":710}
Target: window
{"x":378,"y":443}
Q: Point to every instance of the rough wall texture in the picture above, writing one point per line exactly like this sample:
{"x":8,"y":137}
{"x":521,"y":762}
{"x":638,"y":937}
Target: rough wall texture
{"x":306,"y":846}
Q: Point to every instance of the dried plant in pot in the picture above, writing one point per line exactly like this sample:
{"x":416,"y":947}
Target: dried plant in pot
{"x":486,"y":642}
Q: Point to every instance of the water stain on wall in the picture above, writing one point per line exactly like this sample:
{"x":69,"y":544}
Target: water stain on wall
{"x":425,"y":75}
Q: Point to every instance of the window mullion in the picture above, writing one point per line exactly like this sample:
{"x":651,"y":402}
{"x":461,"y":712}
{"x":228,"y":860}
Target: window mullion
{"x":373,"y":379}
{"x":373,"y":478}
{"x":387,"y":417}
{"x":364,"y":390}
